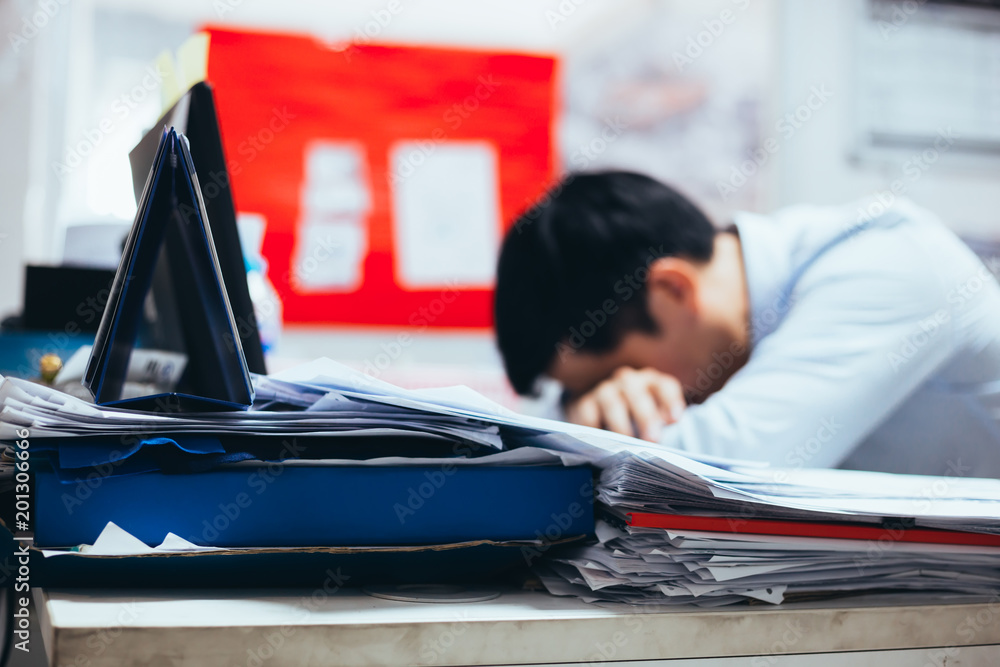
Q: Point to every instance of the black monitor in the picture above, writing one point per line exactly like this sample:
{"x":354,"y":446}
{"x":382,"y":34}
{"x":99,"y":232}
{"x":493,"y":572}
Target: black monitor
{"x":194,"y":115}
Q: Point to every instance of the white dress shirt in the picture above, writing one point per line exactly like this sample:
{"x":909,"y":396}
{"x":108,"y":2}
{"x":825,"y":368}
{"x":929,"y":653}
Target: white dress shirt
{"x":875,"y":346}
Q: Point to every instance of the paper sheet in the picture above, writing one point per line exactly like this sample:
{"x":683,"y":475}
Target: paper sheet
{"x":446,"y":213}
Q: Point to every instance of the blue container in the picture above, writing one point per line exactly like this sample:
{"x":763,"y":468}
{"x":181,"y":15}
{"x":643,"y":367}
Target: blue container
{"x":289,"y":505}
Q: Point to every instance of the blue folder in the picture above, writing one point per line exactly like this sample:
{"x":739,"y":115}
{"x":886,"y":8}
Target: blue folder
{"x":276,"y":505}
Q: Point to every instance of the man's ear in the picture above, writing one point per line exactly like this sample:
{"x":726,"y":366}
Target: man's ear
{"x":675,"y":282}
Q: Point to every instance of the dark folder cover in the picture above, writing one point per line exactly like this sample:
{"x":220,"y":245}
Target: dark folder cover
{"x":171,"y":236}
{"x":195,"y":116}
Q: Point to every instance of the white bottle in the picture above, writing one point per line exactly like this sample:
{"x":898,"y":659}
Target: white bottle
{"x":266,"y":301}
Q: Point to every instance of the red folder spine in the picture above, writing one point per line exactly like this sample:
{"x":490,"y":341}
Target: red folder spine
{"x":809,"y":529}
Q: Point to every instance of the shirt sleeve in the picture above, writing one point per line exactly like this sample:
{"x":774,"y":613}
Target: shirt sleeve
{"x":868,"y":325}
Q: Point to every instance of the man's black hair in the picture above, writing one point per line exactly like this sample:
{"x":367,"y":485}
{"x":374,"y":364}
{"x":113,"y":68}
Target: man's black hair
{"x":572,"y":268}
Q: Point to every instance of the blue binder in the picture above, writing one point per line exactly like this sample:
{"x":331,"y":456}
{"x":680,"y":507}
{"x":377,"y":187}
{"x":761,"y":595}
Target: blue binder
{"x":283,"y":505}
{"x":171,"y":236}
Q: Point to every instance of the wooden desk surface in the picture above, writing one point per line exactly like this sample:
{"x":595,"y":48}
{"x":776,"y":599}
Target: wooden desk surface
{"x":348,"y":627}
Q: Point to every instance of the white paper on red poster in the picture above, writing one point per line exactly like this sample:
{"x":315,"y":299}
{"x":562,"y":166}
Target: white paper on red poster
{"x":446,"y":214}
{"x":335,"y":202}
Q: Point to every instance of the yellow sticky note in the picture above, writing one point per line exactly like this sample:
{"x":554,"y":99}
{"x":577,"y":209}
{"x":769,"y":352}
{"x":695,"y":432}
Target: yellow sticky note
{"x":192,"y":60}
{"x":170,"y":90}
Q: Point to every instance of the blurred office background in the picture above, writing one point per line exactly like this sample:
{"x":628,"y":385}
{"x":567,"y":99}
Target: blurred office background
{"x":743,"y":104}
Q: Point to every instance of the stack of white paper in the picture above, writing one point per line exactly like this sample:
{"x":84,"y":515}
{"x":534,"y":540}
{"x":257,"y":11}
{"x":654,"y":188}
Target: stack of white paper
{"x":648,"y":566}
{"x":656,"y":566}
{"x":48,"y":413}
{"x":666,"y":482}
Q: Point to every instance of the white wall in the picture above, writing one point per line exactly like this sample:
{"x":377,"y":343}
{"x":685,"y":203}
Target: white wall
{"x":816,"y":165}
{"x":33,"y":84}
{"x":16,"y":83}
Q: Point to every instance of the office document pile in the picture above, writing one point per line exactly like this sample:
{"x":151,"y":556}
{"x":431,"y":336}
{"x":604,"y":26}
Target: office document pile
{"x":680,"y":531}
{"x":671,"y":528}
{"x":328,"y":469}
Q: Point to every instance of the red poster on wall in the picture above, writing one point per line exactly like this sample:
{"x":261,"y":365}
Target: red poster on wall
{"x":386,"y":174}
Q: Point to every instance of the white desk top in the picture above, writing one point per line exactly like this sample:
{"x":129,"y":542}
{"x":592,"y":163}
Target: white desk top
{"x":210,"y":628}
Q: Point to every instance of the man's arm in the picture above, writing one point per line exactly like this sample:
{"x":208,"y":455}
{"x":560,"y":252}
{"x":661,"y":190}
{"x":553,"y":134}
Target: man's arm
{"x":636,"y":402}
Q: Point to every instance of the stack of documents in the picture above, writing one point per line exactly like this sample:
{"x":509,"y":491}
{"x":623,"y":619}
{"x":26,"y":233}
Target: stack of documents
{"x":668,"y":482}
{"x":711,"y":533}
{"x":675,"y":528}
{"x":328,"y":464}
{"x":654,"y":566}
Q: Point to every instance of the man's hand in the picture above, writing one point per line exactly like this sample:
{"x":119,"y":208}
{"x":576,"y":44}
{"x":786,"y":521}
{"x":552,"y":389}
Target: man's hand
{"x":647,"y":399}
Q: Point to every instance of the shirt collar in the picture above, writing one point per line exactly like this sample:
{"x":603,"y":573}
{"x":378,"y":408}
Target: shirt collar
{"x":766,"y":264}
